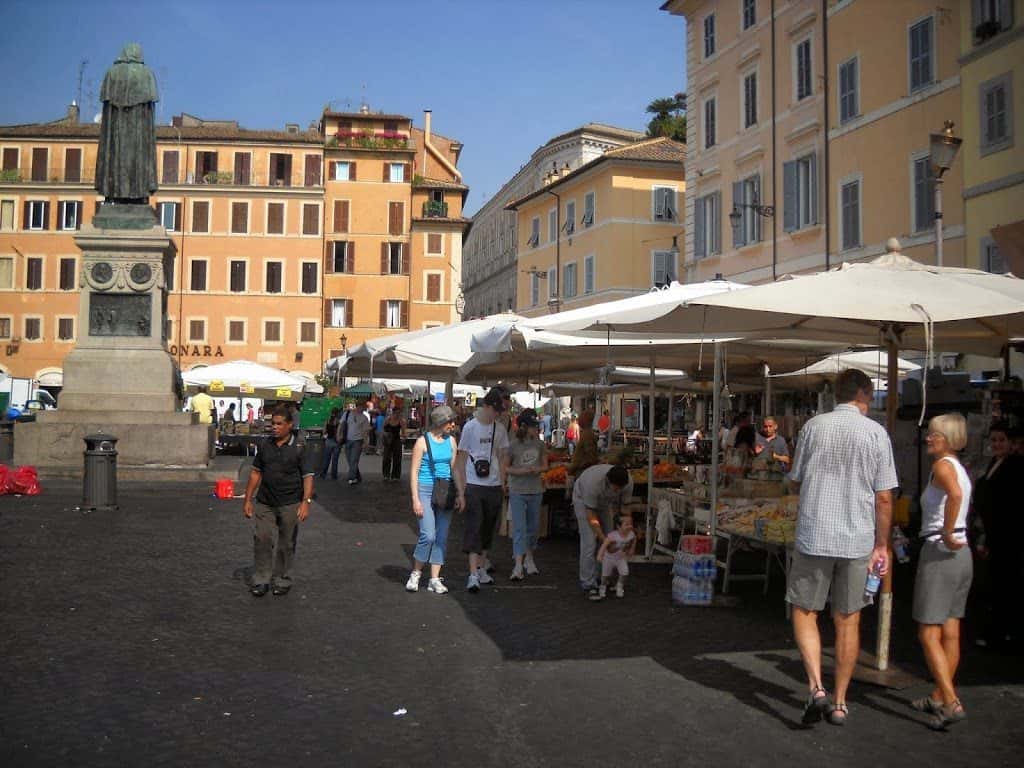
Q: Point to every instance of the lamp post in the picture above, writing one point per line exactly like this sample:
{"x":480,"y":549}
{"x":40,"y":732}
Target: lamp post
{"x":944,"y":147}
{"x":736,"y":217}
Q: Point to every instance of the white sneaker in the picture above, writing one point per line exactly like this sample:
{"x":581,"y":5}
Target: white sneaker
{"x":531,"y":567}
{"x":620,"y":591}
{"x":483,"y":576}
{"x":599,"y":594}
{"x":517,"y":574}
{"x":413,"y":584}
{"x":473,"y":584}
{"x":486,"y":565}
{"x":437,"y":587}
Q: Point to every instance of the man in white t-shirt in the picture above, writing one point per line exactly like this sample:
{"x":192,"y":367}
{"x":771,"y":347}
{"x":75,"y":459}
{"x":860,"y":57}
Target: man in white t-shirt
{"x":479,"y":478}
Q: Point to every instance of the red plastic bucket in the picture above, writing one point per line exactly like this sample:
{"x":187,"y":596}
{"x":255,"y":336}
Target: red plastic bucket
{"x":224,"y":489}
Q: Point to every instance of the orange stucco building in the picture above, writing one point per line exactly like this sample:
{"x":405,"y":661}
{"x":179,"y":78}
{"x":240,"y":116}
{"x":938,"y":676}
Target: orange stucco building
{"x":289,"y":245}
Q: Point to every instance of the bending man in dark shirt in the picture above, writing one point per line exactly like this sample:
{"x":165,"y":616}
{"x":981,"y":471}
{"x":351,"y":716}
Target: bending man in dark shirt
{"x":283,"y":473}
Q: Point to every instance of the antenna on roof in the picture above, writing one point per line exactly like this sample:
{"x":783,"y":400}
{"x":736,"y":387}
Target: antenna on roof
{"x":81,"y":77}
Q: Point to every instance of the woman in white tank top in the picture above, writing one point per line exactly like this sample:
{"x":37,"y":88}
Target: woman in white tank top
{"x":945,"y":569}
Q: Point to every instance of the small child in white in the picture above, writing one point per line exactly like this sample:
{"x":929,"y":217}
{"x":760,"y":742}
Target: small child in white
{"x":618,"y":546}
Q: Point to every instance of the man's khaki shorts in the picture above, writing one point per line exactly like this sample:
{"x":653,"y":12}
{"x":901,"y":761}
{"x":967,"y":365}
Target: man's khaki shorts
{"x":812,"y":578}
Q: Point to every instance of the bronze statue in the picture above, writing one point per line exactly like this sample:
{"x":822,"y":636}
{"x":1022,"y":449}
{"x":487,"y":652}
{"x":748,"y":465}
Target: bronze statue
{"x":126,"y":162}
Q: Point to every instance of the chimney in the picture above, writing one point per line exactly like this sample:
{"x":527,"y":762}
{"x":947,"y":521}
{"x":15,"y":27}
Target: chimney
{"x":426,"y":125}
{"x":73,"y":112}
{"x":291,"y":127}
{"x":565,"y":170}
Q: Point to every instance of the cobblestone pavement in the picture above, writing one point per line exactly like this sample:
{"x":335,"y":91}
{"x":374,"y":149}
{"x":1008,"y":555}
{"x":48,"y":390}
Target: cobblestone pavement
{"x":129,"y":639}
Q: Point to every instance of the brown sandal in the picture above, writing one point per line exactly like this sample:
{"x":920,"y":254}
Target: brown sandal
{"x":817,"y":705}
{"x":926,"y":704}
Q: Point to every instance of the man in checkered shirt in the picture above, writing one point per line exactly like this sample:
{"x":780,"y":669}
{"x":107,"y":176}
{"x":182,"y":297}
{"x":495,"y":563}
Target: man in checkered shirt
{"x":845,"y":471}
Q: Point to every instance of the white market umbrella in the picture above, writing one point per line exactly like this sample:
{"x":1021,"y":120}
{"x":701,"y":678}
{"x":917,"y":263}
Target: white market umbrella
{"x":873,"y":363}
{"x":894,"y":300}
{"x":245,"y":378}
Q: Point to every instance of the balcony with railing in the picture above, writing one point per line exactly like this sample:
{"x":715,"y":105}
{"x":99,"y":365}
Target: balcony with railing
{"x":435,"y":209}
{"x":368,"y":140}
{"x":46,"y":176}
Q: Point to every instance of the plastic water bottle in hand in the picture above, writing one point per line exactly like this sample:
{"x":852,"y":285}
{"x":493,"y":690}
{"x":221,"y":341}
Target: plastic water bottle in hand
{"x":872,"y":584}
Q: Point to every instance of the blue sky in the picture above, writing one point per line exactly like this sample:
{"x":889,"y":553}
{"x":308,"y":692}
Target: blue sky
{"x":501,"y":76}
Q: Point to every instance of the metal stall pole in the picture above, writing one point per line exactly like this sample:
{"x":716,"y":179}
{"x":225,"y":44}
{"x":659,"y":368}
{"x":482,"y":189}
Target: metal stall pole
{"x":649,"y":544}
{"x":716,"y":419}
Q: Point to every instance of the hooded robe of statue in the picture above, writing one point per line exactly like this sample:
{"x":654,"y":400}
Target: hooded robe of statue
{"x":126,"y":162}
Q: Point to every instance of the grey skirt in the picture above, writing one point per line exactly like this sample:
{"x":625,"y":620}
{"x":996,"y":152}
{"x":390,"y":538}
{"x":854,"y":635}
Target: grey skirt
{"x":943,"y":583}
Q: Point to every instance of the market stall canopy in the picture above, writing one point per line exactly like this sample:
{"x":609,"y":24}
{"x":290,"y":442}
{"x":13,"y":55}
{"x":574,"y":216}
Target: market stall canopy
{"x":518,"y":352}
{"x":872,"y":363}
{"x":636,"y":309}
{"x":243,"y":378}
{"x":529,"y":400}
{"x":962,"y":309}
{"x":428,"y":353}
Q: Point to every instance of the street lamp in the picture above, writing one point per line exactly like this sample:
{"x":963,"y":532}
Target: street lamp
{"x":765,"y":211}
{"x":344,"y":344}
{"x":944,"y":147}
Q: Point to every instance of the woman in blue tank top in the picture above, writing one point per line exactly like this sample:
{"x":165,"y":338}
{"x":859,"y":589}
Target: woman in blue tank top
{"x":433,"y":458}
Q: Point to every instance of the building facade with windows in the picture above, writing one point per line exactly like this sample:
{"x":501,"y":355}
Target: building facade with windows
{"x":992,"y":91}
{"x":607,"y":230}
{"x":489,"y":260}
{"x":254,"y":217}
{"x":808,"y":133}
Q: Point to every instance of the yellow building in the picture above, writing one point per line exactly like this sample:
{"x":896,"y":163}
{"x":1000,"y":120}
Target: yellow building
{"x":256,"y":273}
{"x":808,"y":133}
{"x":603,"y":231}
{"x":992,"y":90}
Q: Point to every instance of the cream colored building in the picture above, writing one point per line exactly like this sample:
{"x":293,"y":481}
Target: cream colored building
{"x":992,"y":91}
{"x":603,"y":231}
{"x":490,"y":255}
{"x":812,"y":129}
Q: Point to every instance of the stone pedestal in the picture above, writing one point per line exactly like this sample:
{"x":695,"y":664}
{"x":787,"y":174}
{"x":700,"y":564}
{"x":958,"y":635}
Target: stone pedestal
{"x":119,"y":378}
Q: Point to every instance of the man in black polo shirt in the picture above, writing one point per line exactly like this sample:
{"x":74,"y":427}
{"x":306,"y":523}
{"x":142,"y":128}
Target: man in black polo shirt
{"x":283,"y":472}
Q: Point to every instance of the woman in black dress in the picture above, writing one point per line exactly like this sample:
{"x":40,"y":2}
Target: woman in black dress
{"x":999,"y":527}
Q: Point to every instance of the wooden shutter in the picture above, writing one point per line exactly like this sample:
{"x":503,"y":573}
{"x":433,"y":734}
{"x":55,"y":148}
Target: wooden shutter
{"x":434,"y":242}
{"x":405,"y":172}
{"x":739,"y":233}
{"x":387,"y":172}
{"x":275,"y":218}
{"x":328,"y":310}
{"x":10,"y":160}
{"x":177,"y":216}
{"x":405,"y":258}
{"x":350,"y":257}
{"x":396,"y":218}
{"x":383,"y":313}
{"x":312,"y":170}
{"x":433,"y":287}
{"x":715,"y":236}
{"x":72,"y":165}
{"x":39,"y":158}
{"x":350,"y":316}
{"x":403,"y":320}
{"x":812,"y":191}
{"x":169,"y":174}
{"x":756,"y":181}
{"x":26,"y":214}
{"x":789,"y":201}
{"x":341,"y":215}
{"x":200,"y":216}
{"x":385,"y":254}
{"x":331,"y":170}
{"x":351,"y":170}
{"x":243,"y":167}
{"x":699,"y":231}
{"x":310,"y":219}
{"x":46,"y":215}
{"x":239,"y":217}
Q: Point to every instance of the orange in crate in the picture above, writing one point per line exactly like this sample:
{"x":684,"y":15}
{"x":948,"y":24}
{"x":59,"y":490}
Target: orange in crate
{"x":224,"y":489}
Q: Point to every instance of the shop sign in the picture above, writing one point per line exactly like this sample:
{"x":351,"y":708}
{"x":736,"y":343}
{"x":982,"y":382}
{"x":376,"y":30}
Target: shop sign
{"x":216,"y":385}
{"x":195,"y":350}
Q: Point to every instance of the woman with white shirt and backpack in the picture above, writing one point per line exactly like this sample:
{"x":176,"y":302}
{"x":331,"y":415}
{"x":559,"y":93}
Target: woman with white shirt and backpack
{"x":945,"y":568}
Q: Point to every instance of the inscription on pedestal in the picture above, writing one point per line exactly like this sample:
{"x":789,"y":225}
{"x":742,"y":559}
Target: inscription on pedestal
{"x":119,"y":314}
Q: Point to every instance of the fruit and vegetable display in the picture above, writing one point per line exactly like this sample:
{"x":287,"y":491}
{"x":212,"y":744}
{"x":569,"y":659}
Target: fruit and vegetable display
{"x":772,"y":520}
{"x":555,"y":477}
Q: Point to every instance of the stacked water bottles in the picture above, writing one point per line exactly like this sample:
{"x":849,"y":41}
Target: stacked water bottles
{"x":694,"y":572}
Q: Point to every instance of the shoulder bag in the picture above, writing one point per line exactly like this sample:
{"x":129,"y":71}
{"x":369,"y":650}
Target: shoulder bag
{"x":442,"y":496}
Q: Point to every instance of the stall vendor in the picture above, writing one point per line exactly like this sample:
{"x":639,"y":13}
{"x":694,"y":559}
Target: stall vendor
{"x":771,"y":444}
